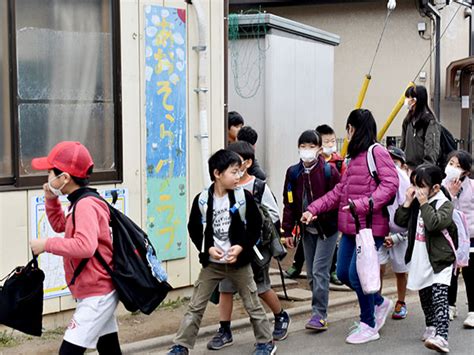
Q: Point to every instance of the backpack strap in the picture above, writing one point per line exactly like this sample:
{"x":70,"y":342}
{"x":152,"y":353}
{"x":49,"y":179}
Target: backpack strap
{"x":240,"y":204}
{"x":202,"y":202}
{"x":83,"y":263}
{"x":294,"y":172}
{"x":258,"y":190}
{"x":371,"y":162}
{"x":327,"y":171}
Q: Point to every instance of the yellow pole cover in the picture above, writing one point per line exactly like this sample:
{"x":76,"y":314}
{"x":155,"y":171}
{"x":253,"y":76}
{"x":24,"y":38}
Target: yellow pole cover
{"x":393,"y":114}
{"x":360,"y":101}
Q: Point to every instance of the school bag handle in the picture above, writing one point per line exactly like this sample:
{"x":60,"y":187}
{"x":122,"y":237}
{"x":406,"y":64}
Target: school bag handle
{"x":368,"y":218}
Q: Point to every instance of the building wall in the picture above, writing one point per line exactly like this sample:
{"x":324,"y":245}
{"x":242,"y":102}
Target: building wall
{"x":296,"y":92}
{"x":14,"y":211}
{"x":401,"y":54}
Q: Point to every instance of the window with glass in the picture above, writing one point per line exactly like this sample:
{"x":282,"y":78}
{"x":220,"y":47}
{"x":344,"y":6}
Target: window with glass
{"x":65,"y":60}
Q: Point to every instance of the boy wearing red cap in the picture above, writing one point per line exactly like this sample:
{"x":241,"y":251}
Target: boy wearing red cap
{"x":93,"y":325}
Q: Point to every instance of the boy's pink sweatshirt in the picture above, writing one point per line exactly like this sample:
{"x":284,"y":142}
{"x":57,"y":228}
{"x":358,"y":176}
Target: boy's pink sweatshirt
{"x":92,"y":232}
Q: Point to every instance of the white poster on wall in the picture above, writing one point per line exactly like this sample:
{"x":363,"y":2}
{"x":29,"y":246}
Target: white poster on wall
{"x":52,"y":265}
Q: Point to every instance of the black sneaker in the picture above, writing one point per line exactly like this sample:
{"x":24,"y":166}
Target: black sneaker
{"x":222,"y":339}
{"x":334,"y":280}
{"x":265,"y":349}
{"x":282,"y":323}
{"x":178,"y":350}
{"x":293,"y":272}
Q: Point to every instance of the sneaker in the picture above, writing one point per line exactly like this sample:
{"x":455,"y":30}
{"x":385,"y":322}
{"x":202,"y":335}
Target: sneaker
{"x":469,"y":322}
{"x":280,"y":332}
{"x":453,"y":312}
{"x":400,"y":311}
{"x":293,"y":272}
{"x":222,"y":339}
{"x":317,"y":323}
{"x":429,"y":333}
{"x":362,"y":334}
{"x":437,"y":343}
{"x":178,"y":350}
{"x":265,"y":349}
{"x":381,"y":313}
{"x":334,"y":280}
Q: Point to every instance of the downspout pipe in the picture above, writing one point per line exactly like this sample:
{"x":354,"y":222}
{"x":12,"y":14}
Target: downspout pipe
{"x":436,"y":17}
{"x":201,"y":90}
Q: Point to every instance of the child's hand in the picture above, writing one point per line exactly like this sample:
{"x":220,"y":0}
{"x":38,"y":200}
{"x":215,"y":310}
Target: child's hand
{"x":38,"y":246}
{"x":422,"y":195}
{"x":234,"y":251}
{"x":409,"y":196}
{"x":289,"y":241}
{"x":388,"y":243}
{"x":47,"y":192}
{"x":307,"y":217}
{"x":215,"y":253}
{"x":454,"y":187}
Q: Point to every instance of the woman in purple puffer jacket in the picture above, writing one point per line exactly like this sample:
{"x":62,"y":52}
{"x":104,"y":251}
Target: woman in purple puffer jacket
{"x":358,"y":185}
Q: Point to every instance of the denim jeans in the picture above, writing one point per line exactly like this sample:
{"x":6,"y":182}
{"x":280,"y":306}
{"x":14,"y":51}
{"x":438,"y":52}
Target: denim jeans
{"x":318,"y":255}
{"x":347,"y":273}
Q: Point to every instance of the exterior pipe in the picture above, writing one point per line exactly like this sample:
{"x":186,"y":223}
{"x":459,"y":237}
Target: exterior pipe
{"x":202,"y":89}
{"x":437,"y":74}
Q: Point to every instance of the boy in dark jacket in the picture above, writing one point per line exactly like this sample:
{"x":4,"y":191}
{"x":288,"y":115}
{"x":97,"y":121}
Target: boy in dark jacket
{"x":305,"y":182}
{"x":225,"y":243}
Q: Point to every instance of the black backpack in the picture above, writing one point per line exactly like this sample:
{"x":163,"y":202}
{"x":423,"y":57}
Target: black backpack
{"x":136,"y":286}
{"x":447,"y":144}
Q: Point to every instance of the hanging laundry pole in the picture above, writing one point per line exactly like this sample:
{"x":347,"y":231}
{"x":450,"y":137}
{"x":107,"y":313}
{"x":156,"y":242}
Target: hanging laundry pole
{"x":391,"y":5}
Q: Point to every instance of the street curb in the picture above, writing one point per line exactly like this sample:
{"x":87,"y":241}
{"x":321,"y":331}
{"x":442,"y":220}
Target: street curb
{"x":159,"y":342}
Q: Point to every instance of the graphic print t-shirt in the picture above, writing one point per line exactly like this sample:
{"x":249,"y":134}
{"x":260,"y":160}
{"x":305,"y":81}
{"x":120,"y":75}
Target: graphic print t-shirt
{"x":221,"y":223}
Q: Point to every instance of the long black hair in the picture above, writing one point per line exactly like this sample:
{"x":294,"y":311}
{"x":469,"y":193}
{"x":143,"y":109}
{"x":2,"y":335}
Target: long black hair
{"x":365,"y":131}
{"x":419,"y":93}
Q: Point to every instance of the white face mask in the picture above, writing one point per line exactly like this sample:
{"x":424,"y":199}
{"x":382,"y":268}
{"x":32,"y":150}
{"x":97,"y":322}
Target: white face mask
{"x":55,"y":191}
{"x":406,"y":103}
{"x":329,"y":150}
{"x":308,"y":155}
{"x":241,"y":173}
{"x":452,"y":173}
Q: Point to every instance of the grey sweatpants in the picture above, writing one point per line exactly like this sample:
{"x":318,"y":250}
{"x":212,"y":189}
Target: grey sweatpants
{"x":318,"y":254}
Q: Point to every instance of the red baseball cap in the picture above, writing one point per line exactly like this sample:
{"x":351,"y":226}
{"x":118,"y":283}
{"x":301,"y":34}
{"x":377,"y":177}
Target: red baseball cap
{"x":69,"y":157}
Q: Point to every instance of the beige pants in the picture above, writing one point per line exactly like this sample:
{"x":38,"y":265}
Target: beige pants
{"x":208,"y":279}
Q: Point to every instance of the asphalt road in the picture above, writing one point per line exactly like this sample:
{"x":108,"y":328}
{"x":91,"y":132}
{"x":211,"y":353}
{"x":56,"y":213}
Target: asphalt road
{"x":397,"y":337}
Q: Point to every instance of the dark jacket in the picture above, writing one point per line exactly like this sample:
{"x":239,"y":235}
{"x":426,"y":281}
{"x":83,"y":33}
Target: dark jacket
{"x":421,"y":139}
{"x":319,"y":184}
{"x":256,"y":170}
{"x":440,"y":253}
{"x":239,"y":234}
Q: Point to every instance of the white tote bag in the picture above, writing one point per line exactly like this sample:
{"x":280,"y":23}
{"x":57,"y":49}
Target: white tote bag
{"x":367,"y":262}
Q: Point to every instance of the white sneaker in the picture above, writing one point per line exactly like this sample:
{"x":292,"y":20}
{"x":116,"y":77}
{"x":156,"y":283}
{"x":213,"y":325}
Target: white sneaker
{"x":469,"y":322}
{"x":362,"y":334}
{"x":429,"y":332}
{"x":382,"y":312}
{"x":437,"y":343}
{"x":453,"y":312}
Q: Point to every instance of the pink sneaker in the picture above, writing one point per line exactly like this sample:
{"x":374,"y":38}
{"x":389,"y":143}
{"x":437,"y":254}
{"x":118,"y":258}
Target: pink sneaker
{"x":382,"y":312}
{"x":362,"y":334}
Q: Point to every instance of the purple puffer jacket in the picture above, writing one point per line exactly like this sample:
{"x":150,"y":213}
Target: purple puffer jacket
{"x":357,"y":184}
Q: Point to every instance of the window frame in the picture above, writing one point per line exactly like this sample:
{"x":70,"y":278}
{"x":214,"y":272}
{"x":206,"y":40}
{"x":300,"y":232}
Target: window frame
{"x":18,"y":182}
